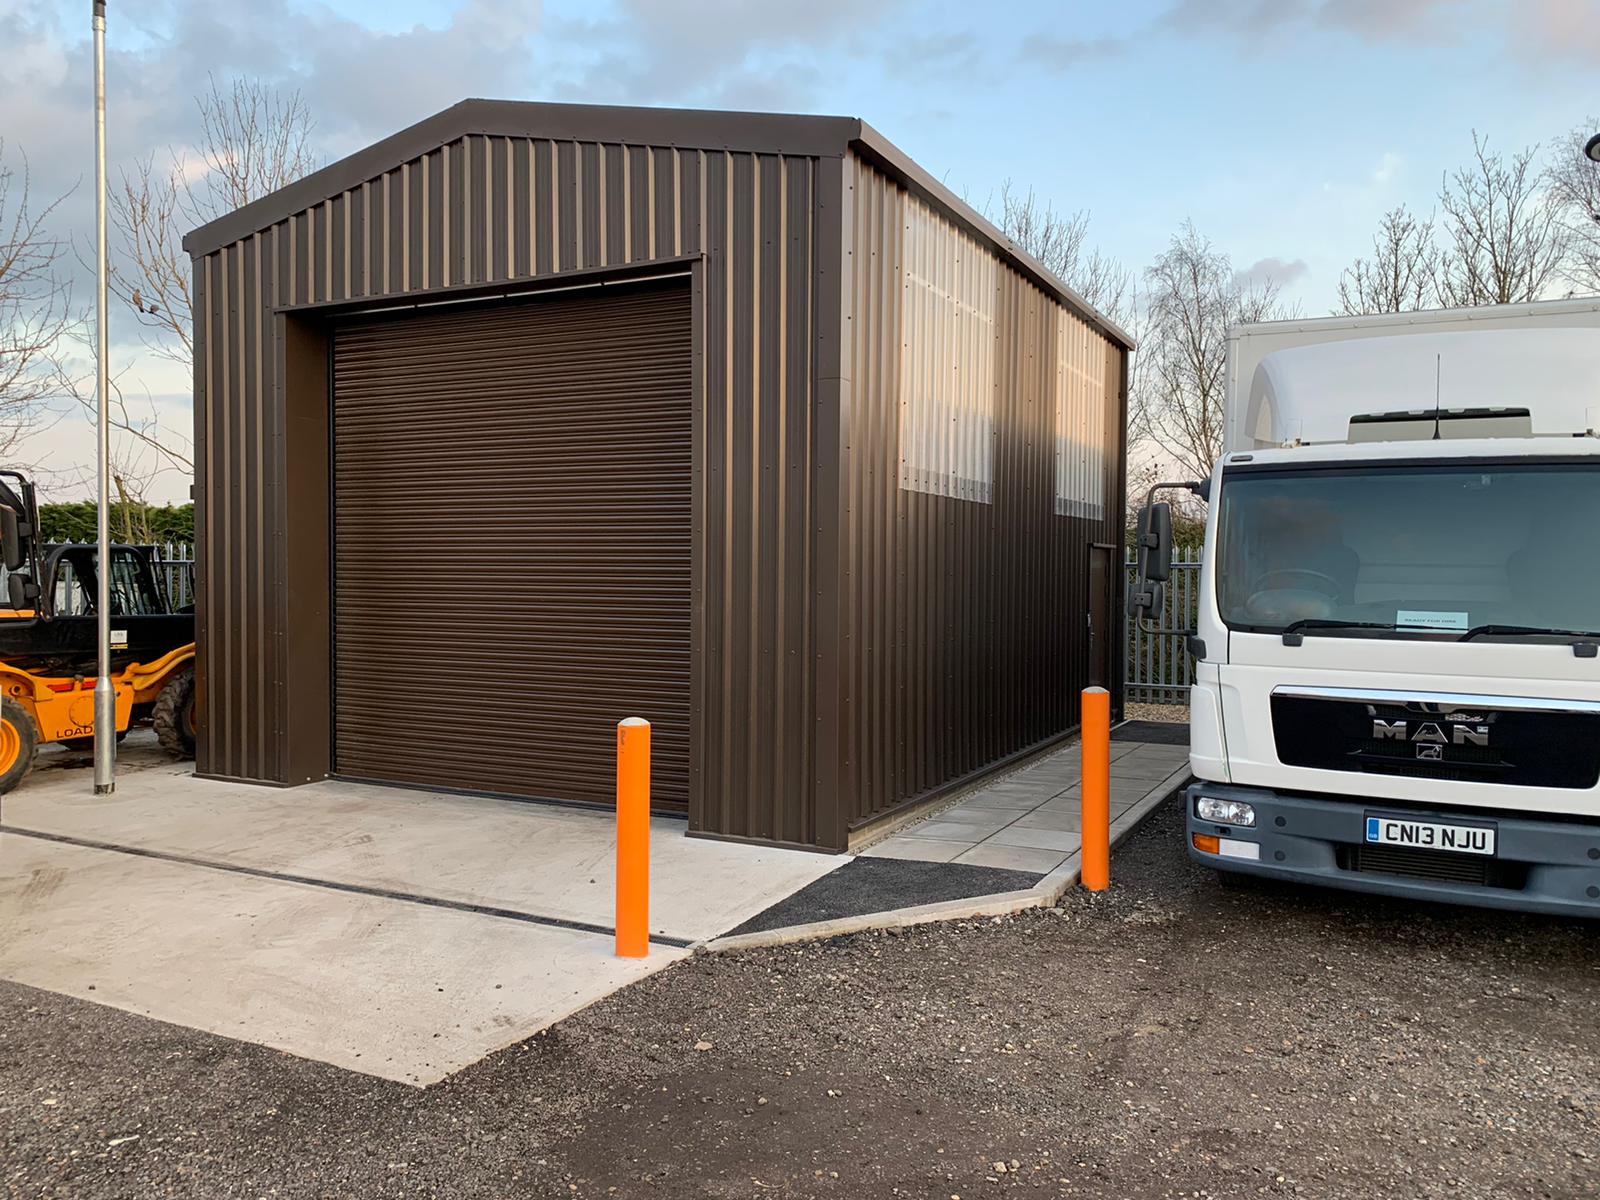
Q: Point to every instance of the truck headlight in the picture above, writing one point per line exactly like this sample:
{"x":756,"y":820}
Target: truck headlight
{"x":1224,"y":812}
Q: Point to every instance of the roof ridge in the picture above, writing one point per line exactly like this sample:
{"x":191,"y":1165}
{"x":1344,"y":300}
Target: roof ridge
{"x":702,"y":129}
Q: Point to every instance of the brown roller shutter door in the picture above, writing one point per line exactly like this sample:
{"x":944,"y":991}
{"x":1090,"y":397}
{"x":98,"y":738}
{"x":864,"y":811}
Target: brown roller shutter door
{"x":512,"y":544}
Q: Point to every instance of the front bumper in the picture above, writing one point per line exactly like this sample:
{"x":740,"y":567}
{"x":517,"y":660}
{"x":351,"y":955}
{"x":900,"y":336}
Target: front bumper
{"x":1540,"y":866}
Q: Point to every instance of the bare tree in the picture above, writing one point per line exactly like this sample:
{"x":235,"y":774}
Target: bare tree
{"x":1192,"y":297}
{"x":36,"y":314}
{"x":253,"y":141}
{"x":1401,"y":275}
{"x":1060,"y":244}
{"x":134,"y":469}
{"x":150,"y":273}
{"x":1059,"y":241}
{"x":1503,"y":238}
{"x":1574,"y":182}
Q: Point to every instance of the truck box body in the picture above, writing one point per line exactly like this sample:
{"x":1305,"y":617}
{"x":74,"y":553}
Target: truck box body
{"x":1398,"y":677}
{"x":1420,"y":358}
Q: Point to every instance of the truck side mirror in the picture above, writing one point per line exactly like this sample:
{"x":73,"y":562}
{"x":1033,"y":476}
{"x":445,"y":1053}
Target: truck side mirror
{"x":22,"y":590}
{"x":12,"y":551}
{"x":1155,"y":542}
{"x":1148,"y":600}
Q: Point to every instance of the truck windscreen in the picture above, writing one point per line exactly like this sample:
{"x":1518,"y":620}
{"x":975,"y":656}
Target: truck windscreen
{"x":1423,"y":549}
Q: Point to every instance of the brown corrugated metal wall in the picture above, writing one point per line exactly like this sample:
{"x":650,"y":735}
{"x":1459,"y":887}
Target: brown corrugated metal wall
{"x":512,"y":544}
{"x":965,"y":619}
{"x":488,"y":208}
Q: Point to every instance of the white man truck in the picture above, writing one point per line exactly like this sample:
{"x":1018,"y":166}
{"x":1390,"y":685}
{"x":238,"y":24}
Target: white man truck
{"x":1396,"y":687}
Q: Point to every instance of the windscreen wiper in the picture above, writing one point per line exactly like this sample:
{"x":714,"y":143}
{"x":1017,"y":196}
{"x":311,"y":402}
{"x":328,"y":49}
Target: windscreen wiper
{"x":1582,"y":635}
{"x":1293,"y":635}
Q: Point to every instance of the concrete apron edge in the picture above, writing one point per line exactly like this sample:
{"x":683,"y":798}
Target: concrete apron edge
{"x":660,"y":959}
{"x":1043,"y":894}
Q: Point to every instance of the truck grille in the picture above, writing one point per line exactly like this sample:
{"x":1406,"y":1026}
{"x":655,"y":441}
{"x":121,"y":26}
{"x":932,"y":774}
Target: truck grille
{"x":1428,"y":740}
{"x":1437,"y":865}
{"x":1418,"y":864}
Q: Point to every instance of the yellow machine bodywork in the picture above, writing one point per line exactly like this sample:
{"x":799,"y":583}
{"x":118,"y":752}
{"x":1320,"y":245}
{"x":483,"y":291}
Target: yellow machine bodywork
{"x":62,"y":708}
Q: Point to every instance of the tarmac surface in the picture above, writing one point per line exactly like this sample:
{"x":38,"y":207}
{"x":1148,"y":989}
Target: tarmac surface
{"x":1168,"y":1038}
{"x":875,"y":885}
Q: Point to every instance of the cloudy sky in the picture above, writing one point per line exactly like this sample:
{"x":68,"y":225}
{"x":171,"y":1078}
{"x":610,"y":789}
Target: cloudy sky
{"x":1282,"y":128}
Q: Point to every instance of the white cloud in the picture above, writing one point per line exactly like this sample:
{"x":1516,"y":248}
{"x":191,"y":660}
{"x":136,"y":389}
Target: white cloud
{"x":1283,"y":272}
{"x":361,"y":84}
{"x":1370,"y":20}
{"x":717,"y":53}
{"x":1541,"y":31}
{"x":1557,"y":30}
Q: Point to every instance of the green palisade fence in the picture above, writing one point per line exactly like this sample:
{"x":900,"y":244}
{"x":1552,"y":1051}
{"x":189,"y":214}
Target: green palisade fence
{"x":1159,"y":669}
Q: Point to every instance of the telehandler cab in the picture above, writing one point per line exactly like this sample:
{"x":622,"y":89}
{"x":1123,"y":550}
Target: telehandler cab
{"x":48,"y":655}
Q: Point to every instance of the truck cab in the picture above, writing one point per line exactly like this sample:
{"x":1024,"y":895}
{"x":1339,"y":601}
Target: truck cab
{"x":1397,"y":687}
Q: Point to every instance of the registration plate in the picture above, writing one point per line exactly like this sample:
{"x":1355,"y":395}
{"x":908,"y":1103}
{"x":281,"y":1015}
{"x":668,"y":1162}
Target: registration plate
{"x":1430,"y":835}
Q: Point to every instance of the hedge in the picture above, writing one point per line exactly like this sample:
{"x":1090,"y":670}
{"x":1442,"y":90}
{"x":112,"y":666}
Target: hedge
{"x":130,"y":522}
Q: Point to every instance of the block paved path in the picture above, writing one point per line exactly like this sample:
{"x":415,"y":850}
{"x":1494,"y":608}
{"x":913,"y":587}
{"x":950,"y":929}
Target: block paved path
{"x":1032,"y":820}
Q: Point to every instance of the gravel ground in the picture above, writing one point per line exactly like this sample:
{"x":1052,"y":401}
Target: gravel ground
{"x":1156,"y":712}
{"x":1166,"y":1039}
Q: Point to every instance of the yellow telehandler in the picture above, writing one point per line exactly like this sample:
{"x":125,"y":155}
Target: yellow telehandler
{"x":47,"y":642}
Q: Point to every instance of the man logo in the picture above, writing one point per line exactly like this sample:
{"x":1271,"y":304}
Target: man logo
{"x":1431,"y":733}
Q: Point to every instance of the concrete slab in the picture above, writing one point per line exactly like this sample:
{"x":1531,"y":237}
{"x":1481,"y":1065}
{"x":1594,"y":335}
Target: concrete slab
{"x":917,"y":849}
{"x":1063,"y":762}
{"x":971,"y":830}
{"x":1125,"y":804}
{"x":1141,"y":769}
{"x":1050,"y":818}
{"x":1067,"y":802}
{"x":982,"y":817}
{"x":1164,"y":754}
{"x":401,"y":933}
{"x":554,"y":861}
{"x":1020,"y":801}
{"x":1031,"y":837}
{"x":406,"y":909}
{"x":1050,"y":781}
{"x":1020,"y":789}
{"x":401,"y":990}
{"x":1013,"y":858}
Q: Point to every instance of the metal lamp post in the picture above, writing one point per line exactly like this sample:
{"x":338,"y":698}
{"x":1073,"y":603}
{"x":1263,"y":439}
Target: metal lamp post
{"x":105,"y":695}
{"x":1592,"y":148}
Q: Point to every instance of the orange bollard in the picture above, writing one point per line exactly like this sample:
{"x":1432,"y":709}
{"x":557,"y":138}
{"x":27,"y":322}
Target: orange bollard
{"x":1095,"y":743}
{"x":633,"y":838}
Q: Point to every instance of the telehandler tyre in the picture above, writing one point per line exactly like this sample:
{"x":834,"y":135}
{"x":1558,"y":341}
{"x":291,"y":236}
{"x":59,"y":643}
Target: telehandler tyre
{"x":173,"y":715}
{"x":19,"y":738}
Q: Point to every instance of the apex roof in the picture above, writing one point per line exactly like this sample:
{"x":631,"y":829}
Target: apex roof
{"x":700,"y":129}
